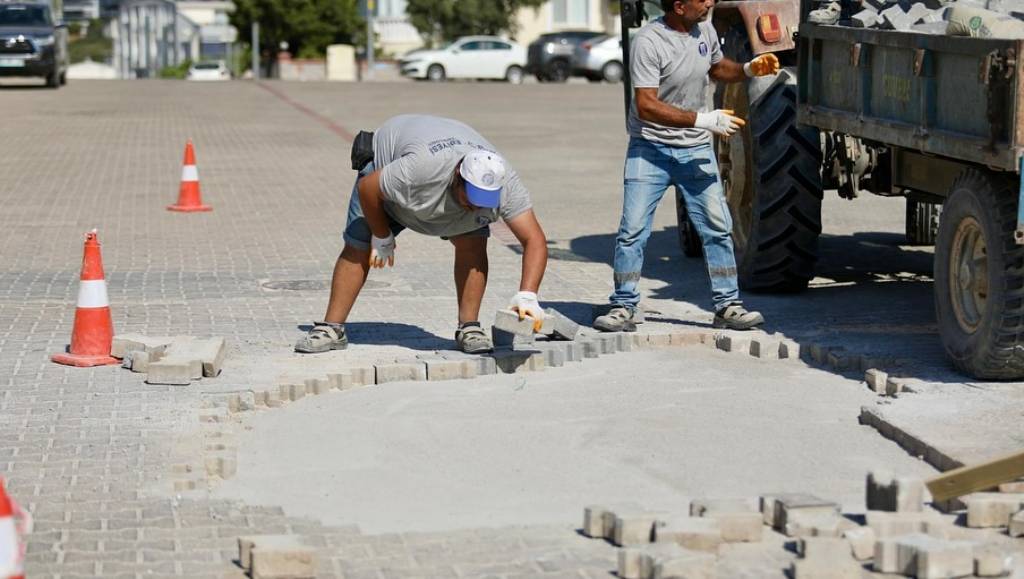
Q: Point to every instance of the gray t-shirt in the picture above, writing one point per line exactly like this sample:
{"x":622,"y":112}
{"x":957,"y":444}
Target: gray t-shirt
{"x":417,"y":156}
{"x":677,"y":64}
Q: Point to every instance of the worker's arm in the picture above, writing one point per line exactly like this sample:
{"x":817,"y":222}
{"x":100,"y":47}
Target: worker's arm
{"x":371,"y":199}
{"x":726,"y":70}
{"x":653,"y":110}
{"x":535,"y":249}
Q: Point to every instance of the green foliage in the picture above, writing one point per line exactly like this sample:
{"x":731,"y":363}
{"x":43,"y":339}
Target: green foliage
{"x":308,"y":26}
{"x":179,"y":72}
{"x":446,"y":20}
{"x":93,"y":45}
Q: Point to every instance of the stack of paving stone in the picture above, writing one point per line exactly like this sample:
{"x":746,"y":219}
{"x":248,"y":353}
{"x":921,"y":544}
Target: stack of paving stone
{"x":900,"y":535}
{"x":983,"y":18}
{"x":174,"y":361}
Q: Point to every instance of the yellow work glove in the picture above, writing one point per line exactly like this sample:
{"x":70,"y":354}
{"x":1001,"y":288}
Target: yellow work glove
{"x":762,"y":66}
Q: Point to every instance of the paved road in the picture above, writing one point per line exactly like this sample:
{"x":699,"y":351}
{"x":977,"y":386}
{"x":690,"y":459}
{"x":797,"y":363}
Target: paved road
{"x":93,"y":452}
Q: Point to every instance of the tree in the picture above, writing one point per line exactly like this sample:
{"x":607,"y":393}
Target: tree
{"x":446,"y":20}
{"x":308,"y":26}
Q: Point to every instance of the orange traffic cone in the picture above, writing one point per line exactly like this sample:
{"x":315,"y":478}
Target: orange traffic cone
{"x":189,"y":198}
{"x":14,"y":524}
{"x":94,"y":331}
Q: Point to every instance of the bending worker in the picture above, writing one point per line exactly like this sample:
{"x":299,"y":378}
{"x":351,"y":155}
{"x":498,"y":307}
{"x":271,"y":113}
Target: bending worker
{"x":437,"y":177}
{"x":670,"y":137}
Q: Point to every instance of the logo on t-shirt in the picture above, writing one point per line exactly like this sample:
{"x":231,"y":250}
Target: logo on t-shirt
{"x":483,"y":220}
{"x":702,"y":48}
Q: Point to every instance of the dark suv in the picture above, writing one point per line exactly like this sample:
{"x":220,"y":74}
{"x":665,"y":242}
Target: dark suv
{"x":33,"y":41}
{"x":549,"y":58}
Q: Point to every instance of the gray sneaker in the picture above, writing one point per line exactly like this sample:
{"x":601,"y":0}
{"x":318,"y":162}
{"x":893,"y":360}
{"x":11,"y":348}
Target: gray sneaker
{"x":619,"y":319}
{"x":323,"y":337}
{"x":471,"y":339}
{"x":735,"y":317}
{"x":827,"y":14}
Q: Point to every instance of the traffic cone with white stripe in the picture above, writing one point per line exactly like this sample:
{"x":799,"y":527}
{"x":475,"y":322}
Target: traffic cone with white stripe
{"x":189,"y":198}
{"x":93,"y":334}
{"x":14,"y":525}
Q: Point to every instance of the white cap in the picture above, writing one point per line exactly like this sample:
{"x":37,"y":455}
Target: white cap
{"x":484,"y":173}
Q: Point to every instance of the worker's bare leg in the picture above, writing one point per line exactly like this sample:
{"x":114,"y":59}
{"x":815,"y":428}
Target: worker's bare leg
{"x":470,"y":284}
{"x":350,"y":273}
{"x":470,"y":275}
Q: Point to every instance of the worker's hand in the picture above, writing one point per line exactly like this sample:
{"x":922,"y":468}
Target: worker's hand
{"x":762,"y":66}
{"x":382,"y":251}
{"x":721,"y":122}
{"x":525,"y":304}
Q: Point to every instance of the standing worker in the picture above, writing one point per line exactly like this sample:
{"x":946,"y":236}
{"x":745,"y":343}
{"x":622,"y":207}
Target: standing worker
{"x":670,"y":144}
{"x":437,"y":177}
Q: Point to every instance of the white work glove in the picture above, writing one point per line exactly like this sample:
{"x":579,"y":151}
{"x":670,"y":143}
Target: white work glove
{"x":525,"y":304}
{"x":382,"y":252}
{"x":721,"y":122}
{"x":762,"y":66}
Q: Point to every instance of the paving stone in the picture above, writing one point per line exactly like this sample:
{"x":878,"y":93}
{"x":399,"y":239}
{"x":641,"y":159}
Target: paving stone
{"x":865,"y":19}
{"x":623,"y":342}
{"x":833,"y":548}
{"x":283,"y":562}
{"x":992,"y":561}
{"x":363,"y":375}
{"x":635,"y":527}
{"x":209,"y":351}
{"x":840,"y":361}
{"x":401,"y":372}
{"x":697,"y":533}
{"x":609,"y":515}
{"x":658,"y":340}
{"x":505,"y":339}
{"x":509,"y":321}
{"x":629,"y":563}
{"x":929,"y":558}
{"x":292,"y":392}
{"x":591,"y":346}
{"x":609,"y":342}
{"x":731,"y":343}
{"x":1012,"y":487}
{"x":559,"y":326}
{"x":124,"y":343}
{"x":1016,"y":526}
{"x":819,"y":353}
{"x":647,"y":557}
{"x":810,"y":523}
{"x":895,"y":18}
{"x":783,"y":505}
{"x":862,"y":542}
{"x":170,"y":372}
{"x":515,"y":362}
{"x":826,"y":569}
{"x":317,"y":386}
{"x":443,"y":369}
{"x":876,"y":380}
{"x":594,"y":521}
{"x":766,"y":348}
{"x":691,"y":565}
{"x":738,"y":518}
{"x":889,"y":524}
{"x":894,"y":386}
{"x":789,"y":350}
{"x":341,"y":381}
{"x":886,"y":492}
{"x":248,"y":542}
{"x":992,"y":509}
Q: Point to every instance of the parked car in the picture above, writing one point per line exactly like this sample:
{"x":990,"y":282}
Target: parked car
{"x":599,"y":59}
{"x":549,"y":58}
{"x":33,"y":41}
{"x":213,"y":70}
{"x":477,"y":57}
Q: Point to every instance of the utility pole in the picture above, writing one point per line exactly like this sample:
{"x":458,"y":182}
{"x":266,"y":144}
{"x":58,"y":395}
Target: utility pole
{"x":255,"y":50}
{"x":371,"y":8}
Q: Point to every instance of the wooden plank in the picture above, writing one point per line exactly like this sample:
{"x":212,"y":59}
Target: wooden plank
{"x":969,"y":479}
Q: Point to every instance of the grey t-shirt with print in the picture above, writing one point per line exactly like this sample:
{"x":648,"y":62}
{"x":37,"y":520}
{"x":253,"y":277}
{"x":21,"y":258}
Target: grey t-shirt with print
{"x":677,"y":64}
{"x":417,"y":156}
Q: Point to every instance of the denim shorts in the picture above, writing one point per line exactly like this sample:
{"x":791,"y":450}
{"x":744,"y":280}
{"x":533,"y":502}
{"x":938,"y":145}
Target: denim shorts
{"x":357,"y":230}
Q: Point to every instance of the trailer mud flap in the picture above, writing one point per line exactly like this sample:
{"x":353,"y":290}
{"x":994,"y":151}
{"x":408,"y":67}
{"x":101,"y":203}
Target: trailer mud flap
{"x":1018,"y":235}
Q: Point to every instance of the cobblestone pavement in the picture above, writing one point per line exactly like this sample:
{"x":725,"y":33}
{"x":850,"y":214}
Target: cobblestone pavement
{"x":92,"y":452}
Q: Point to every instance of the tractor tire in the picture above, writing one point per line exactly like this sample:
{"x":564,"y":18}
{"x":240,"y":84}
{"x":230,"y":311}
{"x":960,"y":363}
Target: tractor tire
{"x":771,"y":172}
{"x":979,"y":281}
{"x":922,"y":222}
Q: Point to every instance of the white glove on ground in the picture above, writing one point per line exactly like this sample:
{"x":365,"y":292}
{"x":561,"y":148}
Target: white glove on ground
{"x":721,"y":122}
{"x":382,"y":251}
{"x":525,"y":304}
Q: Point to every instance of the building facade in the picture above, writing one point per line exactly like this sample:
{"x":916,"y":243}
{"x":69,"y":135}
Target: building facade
{"x":81,"y":10}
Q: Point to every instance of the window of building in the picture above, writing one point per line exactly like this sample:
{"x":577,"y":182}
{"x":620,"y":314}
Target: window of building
{"x":570,"y":12}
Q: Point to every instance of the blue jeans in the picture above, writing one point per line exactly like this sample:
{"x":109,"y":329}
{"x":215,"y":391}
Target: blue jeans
{"x":650,"y":169}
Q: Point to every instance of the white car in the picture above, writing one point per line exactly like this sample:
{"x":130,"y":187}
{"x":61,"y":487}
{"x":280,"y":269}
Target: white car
{"x":209,"y":71}
{"x":599,"y":59}
{"x":480,"y":57}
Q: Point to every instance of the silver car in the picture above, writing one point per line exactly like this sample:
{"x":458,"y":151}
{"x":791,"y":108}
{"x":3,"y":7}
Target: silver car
{"x":599,"y":59}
